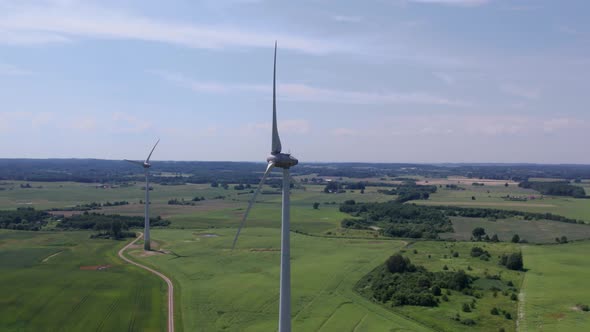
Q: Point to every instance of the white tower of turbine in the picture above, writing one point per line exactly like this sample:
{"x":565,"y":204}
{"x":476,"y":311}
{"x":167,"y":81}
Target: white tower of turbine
{"x":146,"y":166}
{"x":284,"y":161}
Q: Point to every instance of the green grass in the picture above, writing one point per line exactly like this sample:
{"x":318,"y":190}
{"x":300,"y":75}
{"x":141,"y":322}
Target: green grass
{"x":556,"y":282}
{"x":217,"y":289}
{"x":41,"y":292}
{"x":238,"y":290}
{"x":534,"y":231}
{"x":577,"y":208}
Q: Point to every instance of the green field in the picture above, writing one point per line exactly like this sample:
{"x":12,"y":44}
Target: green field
{"x":49,"y":281}
{"x":219,"y":289}
{"x":555,"y":283}
{"x":534,"y":231}
{"x":238,"y":290}
{"x":577,"y":208}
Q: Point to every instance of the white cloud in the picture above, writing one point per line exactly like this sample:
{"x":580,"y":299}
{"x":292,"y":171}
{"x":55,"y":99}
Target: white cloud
{"x":84,"y":123}
{"x":521,"y":91}
{"x":22,"y":24}
{"x":464,"y":3}
{"x":289,"y":126}
{"x":124,"y":122}
{"x":307,"y":93}
{"x":557,"y":124}
{"x":344,"y":132}
{"x":347,"y":19}
{"x":463,"y":126}
{"x":445,"y":77}
{"x":11,"y":70}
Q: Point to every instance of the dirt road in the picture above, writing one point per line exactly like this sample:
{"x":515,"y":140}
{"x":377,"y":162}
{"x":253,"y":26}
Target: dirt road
{"x":166,"y":279}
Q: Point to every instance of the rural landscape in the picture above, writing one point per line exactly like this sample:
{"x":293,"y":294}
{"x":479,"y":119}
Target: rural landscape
{"x":487,"y":249}
{"x":308,"y":166}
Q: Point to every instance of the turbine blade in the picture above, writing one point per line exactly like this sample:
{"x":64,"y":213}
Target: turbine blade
{"x":148,"y":158}
{"x":276,"y":141}
{"x":134,"y":162}
{"x":252,"y":200}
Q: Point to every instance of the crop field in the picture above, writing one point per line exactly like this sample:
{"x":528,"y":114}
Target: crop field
{"x":577,"y":208}
{"x":557,"y":281}
{"x":534,"y":231}
{"x":63,"y":281}
{"x":220,"y":289}
{"x":238,"y":290}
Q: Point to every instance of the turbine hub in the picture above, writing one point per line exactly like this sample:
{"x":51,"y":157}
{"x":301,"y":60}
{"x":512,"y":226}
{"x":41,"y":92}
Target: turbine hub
{"x":146,"y":165}
{"x":282,"y":160}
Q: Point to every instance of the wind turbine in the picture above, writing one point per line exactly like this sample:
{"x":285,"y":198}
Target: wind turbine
{"x":284,"y":161}
{"x":146,"y":166}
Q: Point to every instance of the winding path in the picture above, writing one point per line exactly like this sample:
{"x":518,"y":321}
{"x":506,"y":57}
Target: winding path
{"x":166,"y":279}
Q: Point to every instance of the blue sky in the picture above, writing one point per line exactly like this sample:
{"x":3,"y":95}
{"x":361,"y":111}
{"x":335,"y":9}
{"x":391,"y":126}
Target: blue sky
{"x":377,"y":81}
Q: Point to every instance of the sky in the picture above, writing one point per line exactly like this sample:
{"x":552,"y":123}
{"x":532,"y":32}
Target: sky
{"x":422,"y":81}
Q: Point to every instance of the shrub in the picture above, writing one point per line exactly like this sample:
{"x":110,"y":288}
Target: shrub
{"x":455,"y":254}
{"x":399,"y":264}
{"x":515,"y":238}
{"x":494,"y":311}
{"x":468,"y":322}
{"x":445,"y":298}
{"x":513,"y":261}
{"x":466,"y":307}
{"x":507,"y":315}
{"x":436,"y":290}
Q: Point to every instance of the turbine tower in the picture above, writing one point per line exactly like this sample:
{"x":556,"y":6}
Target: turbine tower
{"x":146,"y":166}
{"x":284,"y":161}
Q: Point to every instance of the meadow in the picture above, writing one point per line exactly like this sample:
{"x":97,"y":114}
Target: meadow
{"x":220,"y":289}
{"x":52,"y":281}
{"x":237,"y":290}
{"x":556,"y":282}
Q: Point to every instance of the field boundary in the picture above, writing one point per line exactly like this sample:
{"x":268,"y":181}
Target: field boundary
{"x":159,"y":274}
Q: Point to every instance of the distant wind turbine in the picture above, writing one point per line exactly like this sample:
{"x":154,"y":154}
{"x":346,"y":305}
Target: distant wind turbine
{"x":146,"y":165}
{"x":284,"y":161}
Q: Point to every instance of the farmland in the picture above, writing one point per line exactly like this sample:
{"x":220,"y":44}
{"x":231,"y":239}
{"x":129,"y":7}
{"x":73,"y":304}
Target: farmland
{"x":55,"y":281}
{"x":220,"y":289}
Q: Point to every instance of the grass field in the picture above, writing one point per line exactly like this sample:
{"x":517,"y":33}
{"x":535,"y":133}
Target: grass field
{"x":577,"y":208}
{"x":439,"y":318}
{"x":50,"y":282}
{"x":238,"y":290}
{"x":556,"y":282}
{"x":534,"y":231}
{"x":217,"y":289}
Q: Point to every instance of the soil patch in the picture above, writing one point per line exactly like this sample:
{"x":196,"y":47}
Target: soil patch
{"x":206,"y":234}
{"x":66,"y":214}
{"x":51,"y":256}
{"x":95,"y":267}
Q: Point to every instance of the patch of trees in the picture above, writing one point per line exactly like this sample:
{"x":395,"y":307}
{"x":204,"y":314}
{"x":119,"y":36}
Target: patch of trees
{"x":24,"y":218}
{"x":410,"y":191}
{"x":559,"y":188}
{"x":398,"y":282}
{"x":182,"y":201}
{"x":333,"y":187}
{"x":479,"y":234}
{"x":512,"y":261}
{"x":396,"y":219}
{"x":117,"y":230}
{"x":453,"y":187}
{"x":493,"y":214}
{"x":101,"y":222}
{"x":481,"y":253}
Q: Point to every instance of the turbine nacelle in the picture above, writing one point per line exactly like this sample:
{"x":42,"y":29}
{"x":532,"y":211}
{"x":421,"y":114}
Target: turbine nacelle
{"x":282,"y":160}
